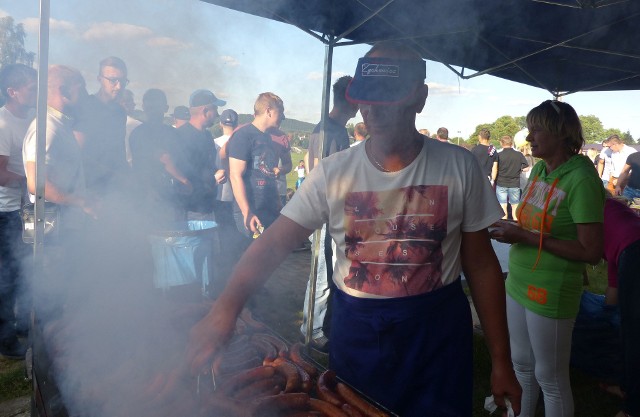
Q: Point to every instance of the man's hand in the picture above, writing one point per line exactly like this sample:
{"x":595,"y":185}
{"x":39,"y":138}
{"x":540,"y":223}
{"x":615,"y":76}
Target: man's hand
{"x":252,"y":223}
{"x":220,"y":176}
{"x":506,"y":232}
{"x":208,"y":336}
{"x":505,"y":385}
{"x":618,"y":190}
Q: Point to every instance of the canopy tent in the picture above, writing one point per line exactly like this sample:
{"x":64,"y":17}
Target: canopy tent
{"x":562,"y":46}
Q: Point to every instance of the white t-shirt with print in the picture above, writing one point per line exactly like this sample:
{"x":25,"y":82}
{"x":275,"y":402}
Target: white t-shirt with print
{"x":397,"y":233}
{"x":12,"y":131}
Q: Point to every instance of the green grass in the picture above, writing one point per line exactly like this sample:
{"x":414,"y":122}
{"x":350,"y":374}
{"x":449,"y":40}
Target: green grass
{"x":12,"y":381}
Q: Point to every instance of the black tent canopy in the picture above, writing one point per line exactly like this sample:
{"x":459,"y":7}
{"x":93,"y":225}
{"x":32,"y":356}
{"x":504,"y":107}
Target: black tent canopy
{"x":562,"y":46}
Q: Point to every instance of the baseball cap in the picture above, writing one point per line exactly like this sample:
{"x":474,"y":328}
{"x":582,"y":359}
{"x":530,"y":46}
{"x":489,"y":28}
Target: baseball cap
{"x":181,"y":113}
{"x":204,"y":98}
{"x":385,"y":80}
{"x":229,"y":118}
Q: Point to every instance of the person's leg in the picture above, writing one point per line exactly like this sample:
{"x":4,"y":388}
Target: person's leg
{"x":522,"y":356}
{"x":9,"y":273}
{"x":628,"y":296}
{"x":514,"y":200}
{"x":501,"y":195}
{"x":551,"y":344}
{"x":322,"y":293}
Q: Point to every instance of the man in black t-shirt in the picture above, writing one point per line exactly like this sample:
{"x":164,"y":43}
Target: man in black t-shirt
{"x":253,"y":168}
{"x":336,"y":137}
{"x":196,"y":157}
{"x":487,"y":155}
{"x":629,"y":180}
{"x":508,"y":181}
{"x":100,"y":129}
{"x":153,"y":145}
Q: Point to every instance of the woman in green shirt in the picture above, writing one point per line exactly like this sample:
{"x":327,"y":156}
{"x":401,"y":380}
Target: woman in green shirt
{"x":559,"y":230}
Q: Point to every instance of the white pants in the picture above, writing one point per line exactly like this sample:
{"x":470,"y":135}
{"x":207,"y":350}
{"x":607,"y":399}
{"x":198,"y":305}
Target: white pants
{"x":540,"y":351}
{"x":322,"y":290}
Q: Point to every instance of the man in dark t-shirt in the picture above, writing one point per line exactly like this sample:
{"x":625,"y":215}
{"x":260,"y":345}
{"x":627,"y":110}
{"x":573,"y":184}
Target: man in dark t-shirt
{"x":196,"y":157}
{"x":629,"y":180}
{"x":508,"y":181}
{"x":100,"y":129}
{"x":253,"y":168}
{"x":153,"y":145}
{"x":487,"y":155}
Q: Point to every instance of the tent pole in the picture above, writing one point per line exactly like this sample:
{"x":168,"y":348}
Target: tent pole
{"x":41,"y":130}
{"x":317,"y":244}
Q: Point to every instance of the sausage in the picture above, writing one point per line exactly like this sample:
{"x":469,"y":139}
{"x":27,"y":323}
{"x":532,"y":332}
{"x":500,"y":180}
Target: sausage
{"x":280,"y":402}
{"x":279,"y":344}
{"x":246,"y":377}
{"x":326,"y":409}
{"x":354,"y":399}
{"x":351,"y":411}
{"x":324,"y":386}
{"x":295,"y":353}
{"x":255,"y":389}
{"x":265,"y":348}
{"x":291,"y":374}
{"x":305,"y":379}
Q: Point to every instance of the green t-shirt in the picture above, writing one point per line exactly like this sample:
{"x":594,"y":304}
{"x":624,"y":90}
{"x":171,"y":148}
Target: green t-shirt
{"x":553,"y":289}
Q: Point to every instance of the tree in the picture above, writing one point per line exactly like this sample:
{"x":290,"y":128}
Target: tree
{"x":12,"y":43}
{"x":627,"y":138}
{"x":592,"y":129}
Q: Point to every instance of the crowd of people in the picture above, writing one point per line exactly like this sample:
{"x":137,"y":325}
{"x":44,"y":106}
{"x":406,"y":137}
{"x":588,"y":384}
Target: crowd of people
{"x":400,"y":216}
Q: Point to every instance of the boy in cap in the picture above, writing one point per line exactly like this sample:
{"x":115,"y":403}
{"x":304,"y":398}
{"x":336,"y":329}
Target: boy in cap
{"x":407,"y":215}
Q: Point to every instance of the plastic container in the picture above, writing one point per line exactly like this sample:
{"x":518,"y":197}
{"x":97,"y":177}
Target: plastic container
{"x":182,"y":256}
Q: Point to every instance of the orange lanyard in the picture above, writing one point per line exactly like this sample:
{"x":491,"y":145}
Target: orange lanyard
{"x":544,"y":214}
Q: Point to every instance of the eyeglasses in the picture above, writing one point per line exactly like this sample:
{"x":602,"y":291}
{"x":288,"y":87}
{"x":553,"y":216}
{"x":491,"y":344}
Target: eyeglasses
{"x":113,"y":81}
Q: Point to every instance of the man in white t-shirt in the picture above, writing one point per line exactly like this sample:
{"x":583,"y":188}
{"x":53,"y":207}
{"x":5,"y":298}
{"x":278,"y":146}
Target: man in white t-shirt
{"x":604,"y":163}
{"x":18,"y":85}
{"x":407,"y":216}
{"x":619,"y":154}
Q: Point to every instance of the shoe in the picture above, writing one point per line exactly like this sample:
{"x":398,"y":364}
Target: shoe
{"x":13,"y":350}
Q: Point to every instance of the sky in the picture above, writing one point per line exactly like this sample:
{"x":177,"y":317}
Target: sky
{"x":182,"y":45}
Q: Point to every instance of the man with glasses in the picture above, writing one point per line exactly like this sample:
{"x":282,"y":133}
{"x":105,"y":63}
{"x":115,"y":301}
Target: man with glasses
{"x":100,"y":128}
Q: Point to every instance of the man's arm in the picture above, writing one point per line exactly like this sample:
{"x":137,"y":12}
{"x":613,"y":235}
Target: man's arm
{"x":8,"y":178}
{"x":52,"y":193}
{"x":588,"y":247}
{"x":251,"y":272}
{"x":494,"y":171}
{"x":623,"y":179}
{"x":483,"y":274}
{"x":236,"y":169}
{"x":171,"y":169}
{"x":600,"y":166}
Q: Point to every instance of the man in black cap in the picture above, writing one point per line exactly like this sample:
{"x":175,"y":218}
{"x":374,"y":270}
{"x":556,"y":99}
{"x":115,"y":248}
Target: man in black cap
{"x":180,"y":116}
{"x":407,"y":215}
{"x":197,"y":159}
{"x":224,"y":200}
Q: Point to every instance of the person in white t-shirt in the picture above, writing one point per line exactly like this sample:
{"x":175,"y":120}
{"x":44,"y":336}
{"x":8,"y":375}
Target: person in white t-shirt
{"x":407,"y":215}
{"x":18,"y":85}
{"x":302,"y":173}
{"x":619,"y":154}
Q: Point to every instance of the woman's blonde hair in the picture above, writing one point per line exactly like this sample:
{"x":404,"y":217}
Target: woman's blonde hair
{"x":559,"y":119}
